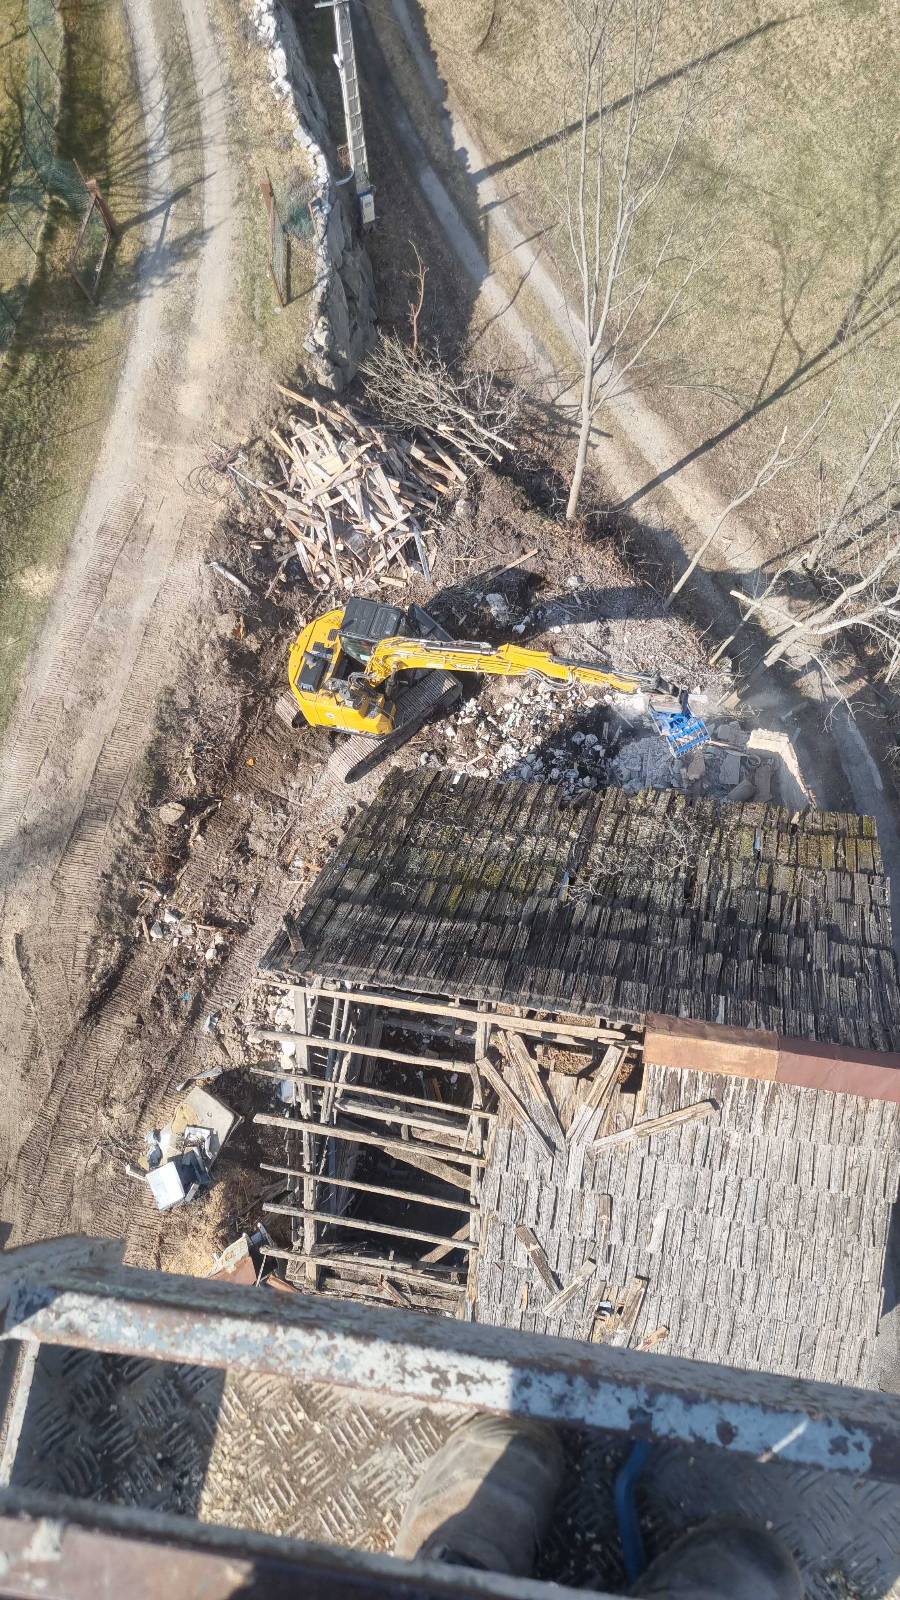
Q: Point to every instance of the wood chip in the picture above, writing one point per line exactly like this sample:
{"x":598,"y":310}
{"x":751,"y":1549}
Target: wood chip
{"x":632,"y":1302}
{"x":651,"y":1340}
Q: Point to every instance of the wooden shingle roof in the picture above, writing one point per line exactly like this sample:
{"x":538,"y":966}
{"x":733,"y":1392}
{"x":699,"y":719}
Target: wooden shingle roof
{"x":615,"y":905}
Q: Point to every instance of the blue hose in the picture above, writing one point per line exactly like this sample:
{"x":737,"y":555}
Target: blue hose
{"x":626,"y":1509}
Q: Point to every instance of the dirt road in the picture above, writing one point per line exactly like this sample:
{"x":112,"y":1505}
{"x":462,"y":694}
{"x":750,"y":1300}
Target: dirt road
{"x":110,"y":645}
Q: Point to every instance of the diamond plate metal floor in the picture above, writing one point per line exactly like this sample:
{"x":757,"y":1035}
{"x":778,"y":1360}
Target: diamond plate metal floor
{"x":312,"y":1461}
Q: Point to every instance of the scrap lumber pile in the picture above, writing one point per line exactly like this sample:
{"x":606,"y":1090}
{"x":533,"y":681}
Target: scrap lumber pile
{"x":354,"y":498}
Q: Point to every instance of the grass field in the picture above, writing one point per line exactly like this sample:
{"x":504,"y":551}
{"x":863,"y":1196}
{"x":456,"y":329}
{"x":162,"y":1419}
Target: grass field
{"x":58,"y":383}
{"x":13,"y":58}
{"x":263,"y":136}
{"x":58,"y":379}
{"x":806,"y":115}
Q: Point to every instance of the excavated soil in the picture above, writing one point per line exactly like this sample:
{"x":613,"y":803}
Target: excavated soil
{"x":228,"y":831}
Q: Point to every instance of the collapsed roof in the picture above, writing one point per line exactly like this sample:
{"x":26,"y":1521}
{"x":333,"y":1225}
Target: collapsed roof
{"x":613,"y":905}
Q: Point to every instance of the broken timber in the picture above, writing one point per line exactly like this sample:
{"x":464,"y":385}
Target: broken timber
{"x":516,"y":1051}
{"x":354,"y":1048}
{"x":538,"y":1257}
{"x":282,"y":1075}
{"x":353,"y":497}
{"x":509,"y":1024}
{"x":435,"y":1160}
{"x":394,"y":1269}
{"x":585,"y":1271}
{"x":517,"y":1110}
{"x":646,"y":1130}
{"x":372,"y":1188}
{"x":459,"y":1241}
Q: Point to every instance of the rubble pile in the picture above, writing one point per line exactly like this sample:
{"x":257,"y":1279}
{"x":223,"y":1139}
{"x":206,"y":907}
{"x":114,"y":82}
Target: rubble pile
{"x":179,"y":1157}
{"x":200,"y":940}
{"x":533,"y":731}
{"x":581,"y":739}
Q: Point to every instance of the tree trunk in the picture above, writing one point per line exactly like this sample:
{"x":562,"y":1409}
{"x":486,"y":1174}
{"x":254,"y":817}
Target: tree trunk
{"x":584,"y":437}
{"x":777,"y":650}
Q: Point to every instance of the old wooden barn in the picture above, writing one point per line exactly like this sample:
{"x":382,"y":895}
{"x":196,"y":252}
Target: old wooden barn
{"x":620,"y":1069}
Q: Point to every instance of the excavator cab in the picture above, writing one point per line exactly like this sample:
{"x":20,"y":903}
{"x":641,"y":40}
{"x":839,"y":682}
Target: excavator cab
{"x":327,"y":662}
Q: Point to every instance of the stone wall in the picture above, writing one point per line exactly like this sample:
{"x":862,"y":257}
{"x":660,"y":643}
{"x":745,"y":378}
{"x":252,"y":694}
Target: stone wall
{"x":343,"y":321}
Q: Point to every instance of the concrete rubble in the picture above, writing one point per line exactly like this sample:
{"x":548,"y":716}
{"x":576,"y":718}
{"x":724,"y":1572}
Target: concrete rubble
{"x":180,"y":1155}
{"x":582,"y":739}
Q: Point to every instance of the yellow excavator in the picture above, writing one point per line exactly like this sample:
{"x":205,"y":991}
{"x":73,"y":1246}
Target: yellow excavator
{"x":378,"y":672}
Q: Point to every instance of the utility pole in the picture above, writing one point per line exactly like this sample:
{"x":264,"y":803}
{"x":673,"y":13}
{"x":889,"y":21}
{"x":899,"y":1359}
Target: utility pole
{"x":345,"y":61}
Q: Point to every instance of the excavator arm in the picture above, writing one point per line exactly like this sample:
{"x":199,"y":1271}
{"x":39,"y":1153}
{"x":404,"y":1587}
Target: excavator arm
{"x":502,"y":661}
{"x":343,"y":665}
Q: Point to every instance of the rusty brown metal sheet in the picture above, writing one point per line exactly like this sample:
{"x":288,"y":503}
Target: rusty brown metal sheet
{"x":59,"y":1549}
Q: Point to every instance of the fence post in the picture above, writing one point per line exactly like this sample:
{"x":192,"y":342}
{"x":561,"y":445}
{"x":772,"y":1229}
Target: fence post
{"x":93,"y":189}
{"x":268,"y":195}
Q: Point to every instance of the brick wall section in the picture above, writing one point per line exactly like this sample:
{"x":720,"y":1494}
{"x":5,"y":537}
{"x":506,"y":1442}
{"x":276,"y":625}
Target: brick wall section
{"x":690,"y":1046}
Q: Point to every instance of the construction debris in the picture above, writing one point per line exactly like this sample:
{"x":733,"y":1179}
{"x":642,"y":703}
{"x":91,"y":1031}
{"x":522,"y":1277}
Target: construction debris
{"x":180,"y":1155}
{"x":242,"y":1262}
{"x":654,"y":1125}
{"x":517,"y":1109}
{"x":538,"y":1257}
{"x":355,"y":498}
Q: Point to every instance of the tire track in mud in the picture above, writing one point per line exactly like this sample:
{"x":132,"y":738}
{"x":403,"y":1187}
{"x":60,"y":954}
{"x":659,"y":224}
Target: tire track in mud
{"x":109,"y":647}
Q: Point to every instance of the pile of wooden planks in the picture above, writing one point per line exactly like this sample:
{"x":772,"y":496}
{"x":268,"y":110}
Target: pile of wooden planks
{"x":354,"y":498}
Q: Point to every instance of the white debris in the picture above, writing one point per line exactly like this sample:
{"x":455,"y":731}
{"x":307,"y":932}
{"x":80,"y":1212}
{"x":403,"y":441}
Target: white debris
{"x":180,"y":1155}
{"x":645,"y":763}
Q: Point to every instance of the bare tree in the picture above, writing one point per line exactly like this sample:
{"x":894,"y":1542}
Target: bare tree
{"x":785,"y":455}
{"x":855,"y":556}
{"x":634,"y":269}
{"x":410,"y":386}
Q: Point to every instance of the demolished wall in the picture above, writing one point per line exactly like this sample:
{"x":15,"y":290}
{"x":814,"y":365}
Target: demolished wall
{"x":343,"y":321}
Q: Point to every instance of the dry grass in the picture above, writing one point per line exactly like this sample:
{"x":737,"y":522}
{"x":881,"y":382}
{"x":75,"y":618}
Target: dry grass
{"x":58,"y":381}
{"x":264,"y":143}
{"x":805,"y":109}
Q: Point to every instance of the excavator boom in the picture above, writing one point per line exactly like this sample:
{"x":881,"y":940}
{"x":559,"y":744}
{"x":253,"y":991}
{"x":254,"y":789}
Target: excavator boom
{"x":501,"y":661}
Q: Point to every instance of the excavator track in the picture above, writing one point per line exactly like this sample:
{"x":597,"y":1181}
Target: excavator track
{"x":433,"y":696}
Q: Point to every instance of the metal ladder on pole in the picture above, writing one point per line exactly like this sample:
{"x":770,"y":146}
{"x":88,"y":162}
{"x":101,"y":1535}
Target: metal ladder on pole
{"x":345,"y":61}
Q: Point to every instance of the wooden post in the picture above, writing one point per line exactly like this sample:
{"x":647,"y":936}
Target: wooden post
{"x":93,"y":189}
{"x":302,"y":1023}
{"x":268,"y":195}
